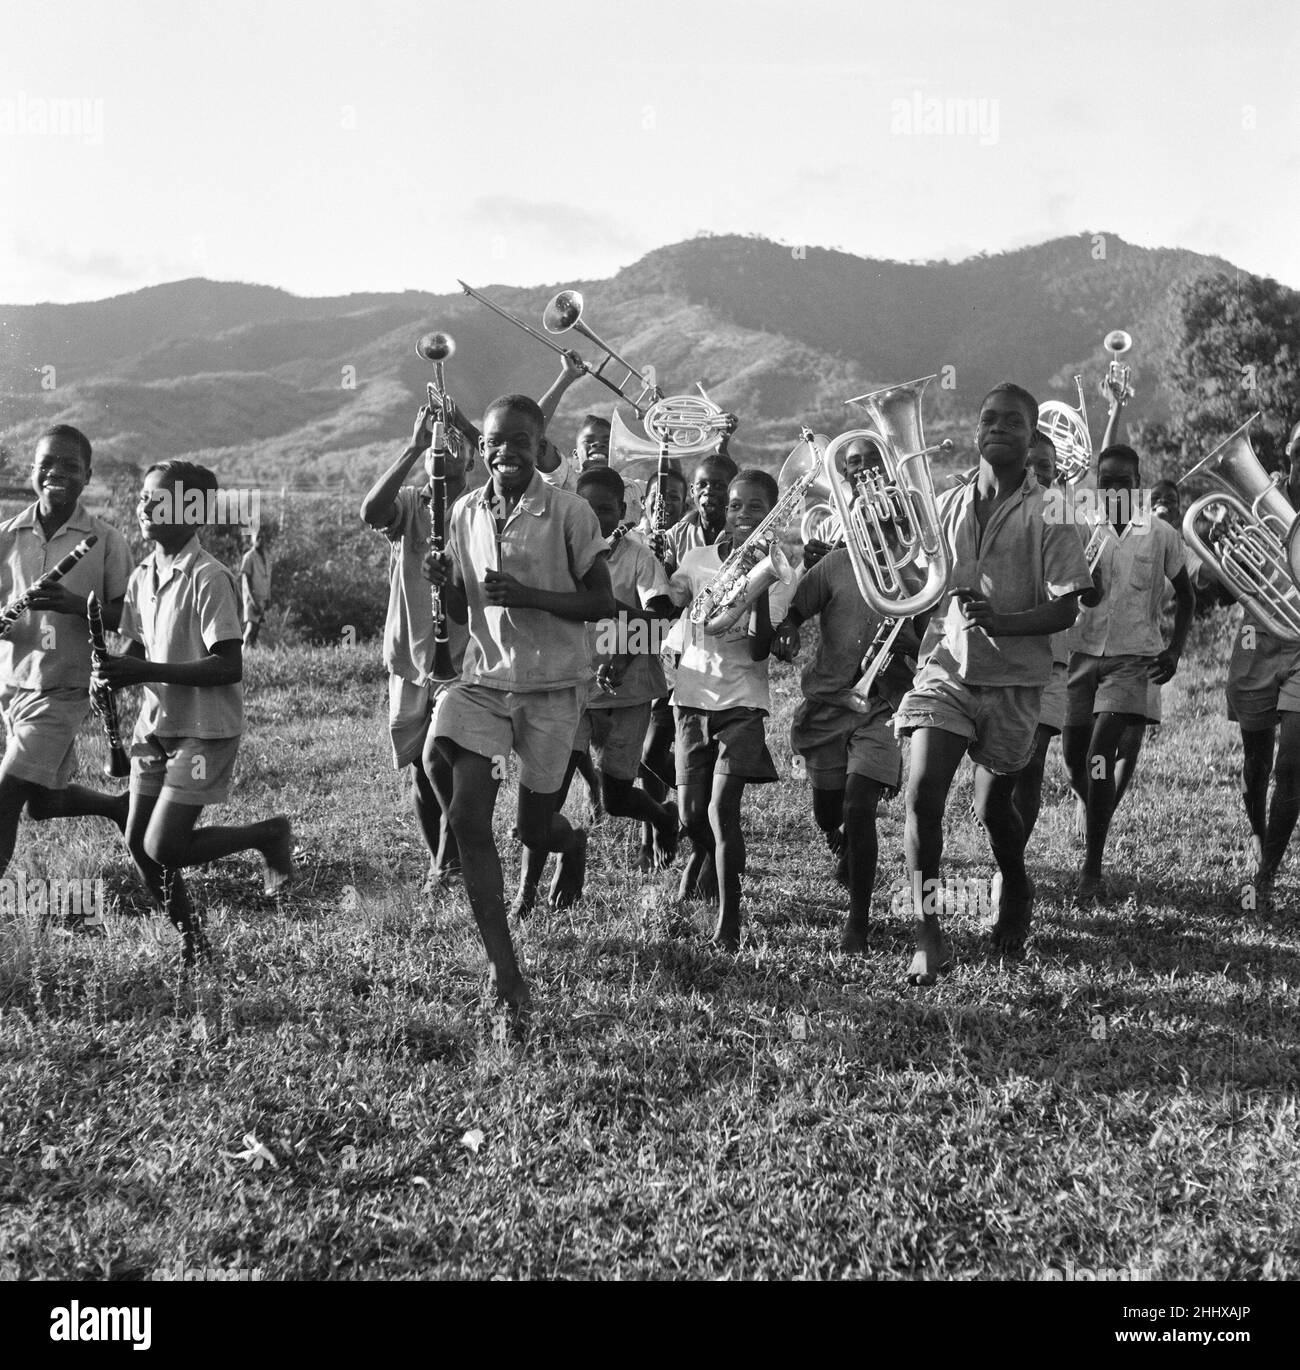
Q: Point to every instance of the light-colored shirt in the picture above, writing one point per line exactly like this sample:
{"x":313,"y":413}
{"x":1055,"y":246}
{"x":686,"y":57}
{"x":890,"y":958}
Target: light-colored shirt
{"x":1131,"y":571}
{"x":847,"y":628}
{"x":255,"y":579}
{"x":686,"y":533}
{"x":1019,"y":562}
{"x":718,"y":673}
{"x":178,"y":608}
{"x":550,"y":540}
{"x":46,"y":650}
{"x":638,"y":578}
{"x":408,"y":625}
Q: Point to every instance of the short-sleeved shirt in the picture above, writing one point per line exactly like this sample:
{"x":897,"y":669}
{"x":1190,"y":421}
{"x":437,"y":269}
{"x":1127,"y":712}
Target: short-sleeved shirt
{"x":550,"y":540}
{"x":1019,"y":562}
{"x":848,"y":625}
{"x":178,"y":609}
{"x":25,"y":556}
{"x":408,"y":626}
{"x":1132,"y":570}
{"x":717,"y":673}
{"x":686,"y":533}
{"x":255,"y":569}
{"x":638,"y":578}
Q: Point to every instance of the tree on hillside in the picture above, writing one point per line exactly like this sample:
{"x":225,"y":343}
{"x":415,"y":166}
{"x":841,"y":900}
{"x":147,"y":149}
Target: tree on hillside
{"x":1236,"y":350}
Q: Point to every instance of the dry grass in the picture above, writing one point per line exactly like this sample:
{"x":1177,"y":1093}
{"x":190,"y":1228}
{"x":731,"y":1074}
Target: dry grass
{"x":1125,"y":1100}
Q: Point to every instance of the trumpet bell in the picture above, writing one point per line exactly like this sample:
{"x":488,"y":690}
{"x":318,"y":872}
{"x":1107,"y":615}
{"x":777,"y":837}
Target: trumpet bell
{"x":1117,"y":341}
{"x":564,"y":310}
{"x":435,"y":347}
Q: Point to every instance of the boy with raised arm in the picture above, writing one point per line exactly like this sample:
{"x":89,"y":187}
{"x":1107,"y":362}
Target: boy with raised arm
{"x":404,"y":515}
{"x":1118,"y":648}
{"x":721,"y":699}
{"x":984,"y":661}
{"x":181,"y":617}
{"x":45,"y":658}
{"x":527,"y":567}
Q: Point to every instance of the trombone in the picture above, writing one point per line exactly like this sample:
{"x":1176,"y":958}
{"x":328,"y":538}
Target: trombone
{"x":564,"y":314}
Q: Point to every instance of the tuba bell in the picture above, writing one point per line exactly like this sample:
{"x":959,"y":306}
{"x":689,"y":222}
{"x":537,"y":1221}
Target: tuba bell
{"x":1246,"y":532}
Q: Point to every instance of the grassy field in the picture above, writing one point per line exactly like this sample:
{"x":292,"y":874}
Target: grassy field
{"x":1124,"y":1100}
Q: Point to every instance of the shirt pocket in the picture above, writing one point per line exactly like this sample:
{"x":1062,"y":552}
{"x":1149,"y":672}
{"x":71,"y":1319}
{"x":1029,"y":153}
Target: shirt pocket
{"x":1142,"y":569}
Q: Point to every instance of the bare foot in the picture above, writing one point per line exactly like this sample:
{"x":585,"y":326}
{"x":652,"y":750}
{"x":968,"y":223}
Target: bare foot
{"x":570,"y":872}
{"x":1090,"y":889}
{"x":726,"y":935}
{"x":933,"y":955}
{"x":645,"y":860}
{"x":1080,"y":820}
{"x":665,"y":842}
{"x":525,"y":902}
{"x":278,"y":854}
{"x":842,"y":869}
{"x":854,"y":938}
{"x":1015,"y":912}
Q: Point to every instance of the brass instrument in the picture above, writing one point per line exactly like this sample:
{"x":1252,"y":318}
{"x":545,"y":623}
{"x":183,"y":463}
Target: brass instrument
{"x":688,"y":425}
{"x":759,"y":561}
{"x":435,"y":348}
{"x":891,"y":518}
{"x":1246,"y":532}
{"x":1117,"y":342}
{"x":1068,"y":429}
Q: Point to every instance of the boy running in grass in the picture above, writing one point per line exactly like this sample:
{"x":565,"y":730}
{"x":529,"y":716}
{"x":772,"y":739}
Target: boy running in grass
{"x":181,"y":617}
{"x":45,"y":658}
{"x":985,"y":659}
{"x":657,"y":773}
{"x":850,"y":754}
{"x":627,"y":677}
{"x":1118,"y":648}
{"x":527,"y":567}
{"x":721,"y":699}
{"x":404,"y":515}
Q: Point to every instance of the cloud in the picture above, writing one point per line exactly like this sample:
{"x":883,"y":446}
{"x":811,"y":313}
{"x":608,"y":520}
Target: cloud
{"x":553,"y":227}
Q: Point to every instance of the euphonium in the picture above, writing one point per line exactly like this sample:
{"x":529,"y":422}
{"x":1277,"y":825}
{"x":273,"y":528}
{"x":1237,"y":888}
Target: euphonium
{"x":759,"y":561}
{"x":1068,"y":429}
{"x":1247,"y":534}
{"x":893,"y":523}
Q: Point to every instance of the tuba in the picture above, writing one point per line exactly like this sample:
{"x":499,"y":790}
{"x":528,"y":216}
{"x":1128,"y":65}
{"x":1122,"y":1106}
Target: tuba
{"x":1246,"y":532}
{"x":1068,"y":429}
{"x":759,"y":561}
{"x":894,"y":522}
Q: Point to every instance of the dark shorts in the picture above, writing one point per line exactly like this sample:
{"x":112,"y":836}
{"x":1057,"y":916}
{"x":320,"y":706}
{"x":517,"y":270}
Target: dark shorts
{"x":1263,"y":680}
{"x":728,"y":742}
{"x":1107,"y":685}
{"x":836,"y":742}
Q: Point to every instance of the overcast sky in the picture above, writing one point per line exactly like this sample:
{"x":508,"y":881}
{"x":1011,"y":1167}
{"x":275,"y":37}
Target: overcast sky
{"x":349,"y":145}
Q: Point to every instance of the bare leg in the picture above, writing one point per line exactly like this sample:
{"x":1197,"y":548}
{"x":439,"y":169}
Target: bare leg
{"x":588,"y":773}
{"x":1107,"y":730}
{"x":699,"y":877}
{"x":173,"y":841}
{"x":861,"y":798}
{"x":533,"y":864}
{"x":1029,"y":783}
{"x":543,"y":828}
{"x":657,"y":776}
{"x":1006,"y":831}
{"x":470,"y":805}
{"x":729,"y":856}
{"x":624,"y":800}
{"x":432,"y":801}
{"x":1256,"y":768}
{"x":166,"y":886}
{"x":1126,"y":758}
{"x":1285,"y":808}
{"x":936,"y":754}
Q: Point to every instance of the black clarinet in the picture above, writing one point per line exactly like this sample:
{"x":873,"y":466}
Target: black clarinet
{"x":18,"y":606}
{"x":442,"y":667}
{"x":105,"y":705}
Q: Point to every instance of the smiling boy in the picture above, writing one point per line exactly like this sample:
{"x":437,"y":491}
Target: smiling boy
{"x":45,"y":659}
{"x":527,"y":567}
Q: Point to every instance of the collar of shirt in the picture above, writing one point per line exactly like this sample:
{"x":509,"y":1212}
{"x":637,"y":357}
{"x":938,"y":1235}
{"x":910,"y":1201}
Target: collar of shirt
{"x":535,"y":500}
{"x":964,"y":497}
{"x":79,"y":521}
{"x":164,"y":568}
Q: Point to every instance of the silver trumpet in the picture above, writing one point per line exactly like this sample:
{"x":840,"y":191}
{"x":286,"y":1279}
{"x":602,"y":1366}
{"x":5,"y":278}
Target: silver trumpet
{"x":1246,"y":533}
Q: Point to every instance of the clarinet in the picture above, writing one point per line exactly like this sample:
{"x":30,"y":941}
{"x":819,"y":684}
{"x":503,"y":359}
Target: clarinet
{"x":659,"y":533}
{"x":17,"y":606}
{"x":105,"y":705}
{"x":442,"y":667}
{"x":618,"y":535}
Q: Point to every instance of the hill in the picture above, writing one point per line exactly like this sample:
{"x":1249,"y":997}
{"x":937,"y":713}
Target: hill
{"x":275,"y":388}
